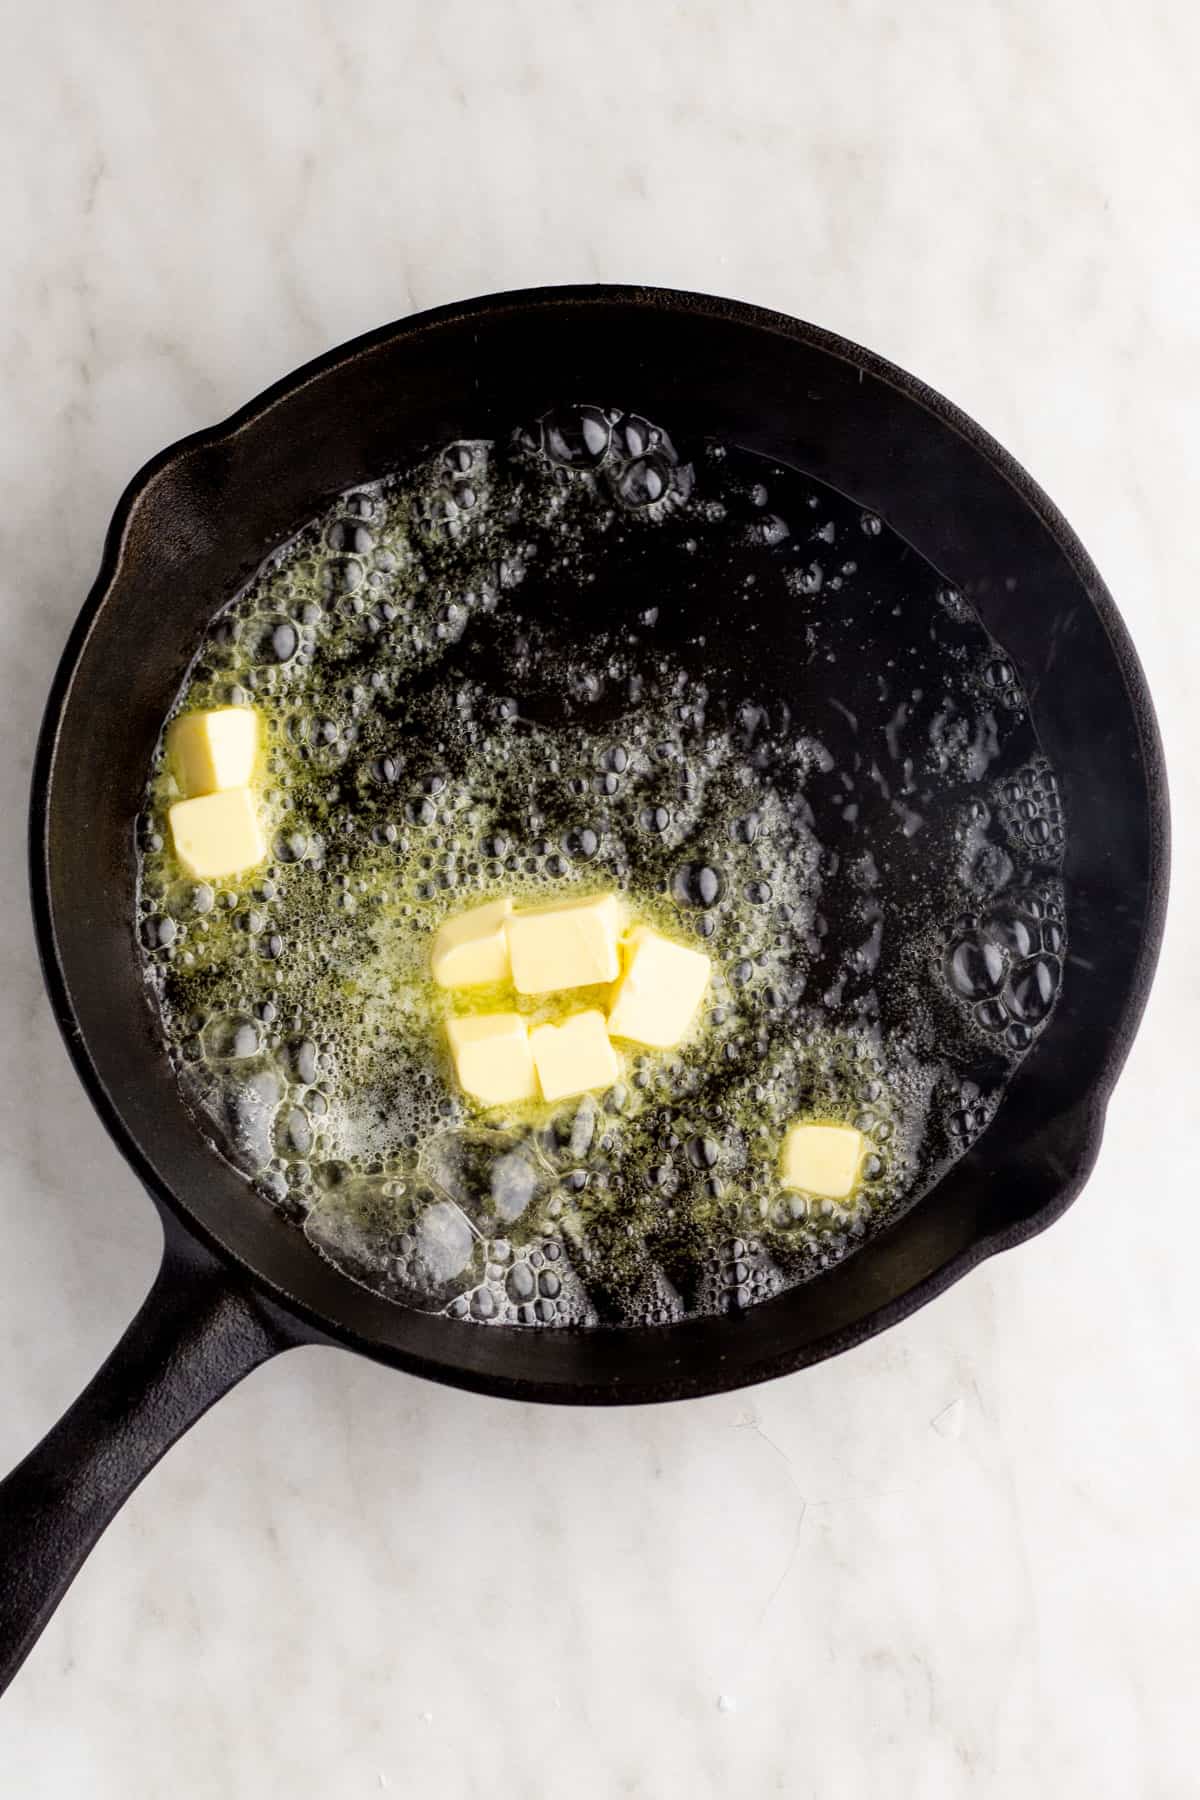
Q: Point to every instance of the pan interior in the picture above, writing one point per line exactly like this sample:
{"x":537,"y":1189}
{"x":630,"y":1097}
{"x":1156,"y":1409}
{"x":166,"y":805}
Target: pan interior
{"x":587,"y":657}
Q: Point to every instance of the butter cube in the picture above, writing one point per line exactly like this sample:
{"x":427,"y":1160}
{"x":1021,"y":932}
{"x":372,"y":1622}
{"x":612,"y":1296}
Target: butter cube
{"x":492,"y":1058}
{"x":572,"y":1057}
{"x":661,"y":988}
{"x":472,"y":948}
{"x":822,"y":1159}
{"x":568,"y":944}
{"x":214,"y":751}
{"x":217,"y":834}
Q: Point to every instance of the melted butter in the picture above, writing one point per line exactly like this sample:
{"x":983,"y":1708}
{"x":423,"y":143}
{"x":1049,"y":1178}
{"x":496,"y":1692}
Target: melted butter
{"x":577,"y":663}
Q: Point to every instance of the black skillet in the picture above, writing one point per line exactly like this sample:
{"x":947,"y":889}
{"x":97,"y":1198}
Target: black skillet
{"x":238,"y":1284}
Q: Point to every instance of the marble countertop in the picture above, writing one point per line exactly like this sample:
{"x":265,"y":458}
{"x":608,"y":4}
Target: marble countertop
{"x":961,"y":1561}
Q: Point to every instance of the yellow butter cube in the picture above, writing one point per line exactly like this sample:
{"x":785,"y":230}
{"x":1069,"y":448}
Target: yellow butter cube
{"x":213,"y":751}
{"x":822,"y":1159}
{"x":492,"y":1058}
{"x":568,"y":944}
{"x":217,"y":834}
{"x":572,"y":1057}
{"x":472,"y":948}
{"x":661,"y":988}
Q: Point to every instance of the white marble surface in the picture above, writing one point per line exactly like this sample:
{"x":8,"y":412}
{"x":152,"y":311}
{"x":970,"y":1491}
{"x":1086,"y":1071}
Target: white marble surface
{"x":963,"y":1561}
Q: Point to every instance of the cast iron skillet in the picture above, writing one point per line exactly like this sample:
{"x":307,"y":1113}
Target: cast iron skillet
{"x":238,"y":1284}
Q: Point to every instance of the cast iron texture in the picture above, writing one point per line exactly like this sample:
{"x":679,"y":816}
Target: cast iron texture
{"x":190,"y":530}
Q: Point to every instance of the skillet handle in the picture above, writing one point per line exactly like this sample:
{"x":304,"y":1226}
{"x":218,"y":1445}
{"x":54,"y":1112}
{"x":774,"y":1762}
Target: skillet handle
{"x":198,"y":1333}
